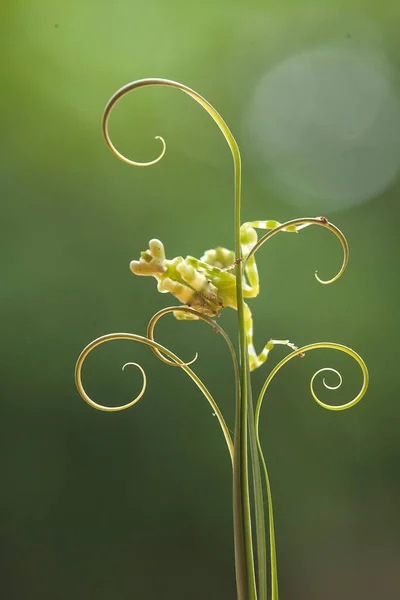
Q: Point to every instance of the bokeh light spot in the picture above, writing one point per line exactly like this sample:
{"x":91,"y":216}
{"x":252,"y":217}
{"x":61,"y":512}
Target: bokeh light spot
{"x":324,"y":125}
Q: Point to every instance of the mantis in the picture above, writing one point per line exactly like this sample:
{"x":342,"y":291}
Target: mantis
{"x":208,"y":284}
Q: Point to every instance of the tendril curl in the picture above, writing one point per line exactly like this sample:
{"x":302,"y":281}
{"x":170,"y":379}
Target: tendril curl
{"x":199,"y":316}
{"x":167,"y":83}
{"x":217,"y":328}
{"x":322,"y":222}
{"x":160,"y":351}
{"x":353,"y":402}
{"x":304,"y":350}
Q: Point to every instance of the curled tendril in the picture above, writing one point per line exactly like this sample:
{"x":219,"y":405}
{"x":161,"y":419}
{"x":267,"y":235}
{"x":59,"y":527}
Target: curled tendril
{"x":316,"y":346}
{"x":162,"y":351}
{"x":161,"y":313}
{"x":329,"y":387}
{"x":173,"y":363}
{"x":168,"y":83}
{"x":200,"y":317}
{"x":322,"y":222}
{"x":353,"y":402}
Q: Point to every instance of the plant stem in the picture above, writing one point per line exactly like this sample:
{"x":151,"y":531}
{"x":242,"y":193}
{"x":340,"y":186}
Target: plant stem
{"x":245,"y":572}
{"x":259,"y":518}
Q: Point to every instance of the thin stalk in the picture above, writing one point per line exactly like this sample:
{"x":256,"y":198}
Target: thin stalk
{"x":271,"y":525}
{"x":353,"y":402}
{"x":259,"y":518}
{"x":240,"y":463}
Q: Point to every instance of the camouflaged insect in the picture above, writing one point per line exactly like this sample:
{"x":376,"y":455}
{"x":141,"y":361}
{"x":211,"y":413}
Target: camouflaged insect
{"x":208,"y":284}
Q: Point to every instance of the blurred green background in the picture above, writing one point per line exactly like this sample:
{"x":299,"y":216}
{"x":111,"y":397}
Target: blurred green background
{"x":138,"y":504}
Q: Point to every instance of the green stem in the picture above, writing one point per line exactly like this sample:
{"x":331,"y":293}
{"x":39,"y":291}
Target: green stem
{"x":271,"y":526}
{"x":259,"y":518}
{"x":240,"y":462}
{"x":353,"y":402}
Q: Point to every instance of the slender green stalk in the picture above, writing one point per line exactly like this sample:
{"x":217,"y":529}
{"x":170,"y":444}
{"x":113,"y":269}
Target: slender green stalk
{"x":271,"y":528}
{"x":240,"y":469}
{"x":353,"y":402}
{"x":259,"y":517}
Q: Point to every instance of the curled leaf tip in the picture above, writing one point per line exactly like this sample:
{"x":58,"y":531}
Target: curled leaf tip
{"x":179,"y":364}
{"x":330,"y":387}
{"x":327,"y":281}
{"x":133,"y":364}
{"x":167,"y":83}
{"x":85,"y":395}
{"x":161,"y":352}
{"x":325,"y":223}
{"x":316,"y":346}
{"x":300,"y":224}
{"x":150,"y":334}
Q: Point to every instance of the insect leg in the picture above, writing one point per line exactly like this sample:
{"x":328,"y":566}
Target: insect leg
{"x":256,"y":360}
{"x":248,"y":239}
